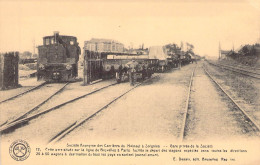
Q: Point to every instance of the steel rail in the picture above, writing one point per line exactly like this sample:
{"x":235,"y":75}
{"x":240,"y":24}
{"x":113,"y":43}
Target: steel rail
{"x":183,"y":126}
{"x":244,"y":67}
{"x":237,"y":70}
{"x":240,"y":66}
{"x":243,"y":70}
{"x":79,"y":122}
{"x":27,"y":91}
{"x":21,"y":121}
{"x":36,"y":87}
{"x":248,"y":67}
{"x":233,"y":101}
{"x":39,"y":105}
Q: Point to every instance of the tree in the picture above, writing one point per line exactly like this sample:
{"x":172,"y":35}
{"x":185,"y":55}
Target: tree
{"x":189,"y":46}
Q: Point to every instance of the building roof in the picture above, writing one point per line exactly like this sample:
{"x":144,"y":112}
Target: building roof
{"x":95,"y":40}
{"x":60,"y":36}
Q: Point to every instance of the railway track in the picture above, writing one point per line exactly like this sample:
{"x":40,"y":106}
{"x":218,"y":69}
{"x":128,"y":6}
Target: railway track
{"x":247,"y":67}
{"x":183,"y":127}
{"x":39,"y":105}
{"x":27,"y":91}
{"x":27,"y":117}
{"x":79,"y":122}
{"x":248,"y":118}
{"x":238,"y":70}
{"x":35,"y":107}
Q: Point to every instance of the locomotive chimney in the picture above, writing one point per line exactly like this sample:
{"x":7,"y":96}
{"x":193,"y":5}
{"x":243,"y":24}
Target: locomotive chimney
{"x":56,"y":33}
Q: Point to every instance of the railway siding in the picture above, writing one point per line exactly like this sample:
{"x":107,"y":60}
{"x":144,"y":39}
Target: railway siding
{"x":47,"y":126}
{"x":21,"y":105}
{"x":39,"y":110}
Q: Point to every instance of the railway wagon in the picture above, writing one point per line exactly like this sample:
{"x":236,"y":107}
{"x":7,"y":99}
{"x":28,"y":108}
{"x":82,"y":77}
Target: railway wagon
{"x":173,"y":60}
{"x":122,"y":66}
{"x":185,"y":59}
{"x":58,"y":58}
{"x":160,"y":53}
{"x":130,"y":67}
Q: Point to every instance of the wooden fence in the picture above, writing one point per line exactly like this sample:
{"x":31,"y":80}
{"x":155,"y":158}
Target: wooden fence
{"x":9,"y":70}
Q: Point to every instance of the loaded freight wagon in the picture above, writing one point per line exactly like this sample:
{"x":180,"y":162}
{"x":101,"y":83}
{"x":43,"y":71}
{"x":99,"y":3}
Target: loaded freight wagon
{"x":185,"y":58}
{"x":131,"y":67}
{"x":174,"y":54}
{"x":160,"y":53}
{"x":122,"y":66}
{"x":169,"y":57}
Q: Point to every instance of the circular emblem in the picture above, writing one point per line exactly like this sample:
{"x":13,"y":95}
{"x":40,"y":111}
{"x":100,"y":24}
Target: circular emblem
{"x":19,"y":150}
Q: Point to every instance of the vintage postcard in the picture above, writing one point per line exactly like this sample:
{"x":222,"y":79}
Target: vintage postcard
{"x":130,"y":82}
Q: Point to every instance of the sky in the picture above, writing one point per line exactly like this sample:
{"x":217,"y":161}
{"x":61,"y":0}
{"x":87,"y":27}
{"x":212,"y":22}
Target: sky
{"x":202,"y":23}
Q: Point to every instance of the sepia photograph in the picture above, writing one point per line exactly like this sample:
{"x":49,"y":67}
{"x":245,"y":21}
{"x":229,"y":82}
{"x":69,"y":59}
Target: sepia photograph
{"x":130,"y":82}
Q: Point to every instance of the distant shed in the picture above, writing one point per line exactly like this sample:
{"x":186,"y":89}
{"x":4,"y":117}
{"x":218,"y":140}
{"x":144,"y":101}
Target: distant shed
{"x":224,"y":53}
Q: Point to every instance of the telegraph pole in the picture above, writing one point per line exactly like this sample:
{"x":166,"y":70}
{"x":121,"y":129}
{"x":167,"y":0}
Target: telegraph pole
{"x":259,"y":38}
{"x":33,"y":46}
{"x":219,"y":51}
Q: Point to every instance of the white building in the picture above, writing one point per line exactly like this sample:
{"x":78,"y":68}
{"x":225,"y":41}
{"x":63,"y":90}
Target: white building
{"x":103,"y":45}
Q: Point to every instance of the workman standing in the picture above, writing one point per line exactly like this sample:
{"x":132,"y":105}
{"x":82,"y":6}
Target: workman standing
{"x":132,"y":68}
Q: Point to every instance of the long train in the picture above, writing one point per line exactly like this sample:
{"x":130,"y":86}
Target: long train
{"x":123,"y":66}
{"x":59,"y":55}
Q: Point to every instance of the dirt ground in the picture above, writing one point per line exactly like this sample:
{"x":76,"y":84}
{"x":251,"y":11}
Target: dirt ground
{"x":153,"y":111}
